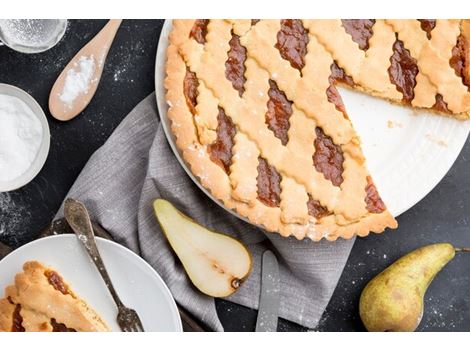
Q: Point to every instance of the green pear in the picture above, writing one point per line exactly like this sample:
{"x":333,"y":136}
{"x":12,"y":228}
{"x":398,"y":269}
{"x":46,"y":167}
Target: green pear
{"x":215,"y":263}
{"x":394,"y":299}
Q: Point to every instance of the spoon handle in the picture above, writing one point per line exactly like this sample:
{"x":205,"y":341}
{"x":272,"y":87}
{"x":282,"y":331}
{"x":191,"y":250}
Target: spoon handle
{"x":77,"y":216}
{"x":109,"y":30}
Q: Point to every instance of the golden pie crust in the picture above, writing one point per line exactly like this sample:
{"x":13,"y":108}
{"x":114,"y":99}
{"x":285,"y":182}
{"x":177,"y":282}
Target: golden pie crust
{"x":44,"y":303}
{"x":202,"y":49}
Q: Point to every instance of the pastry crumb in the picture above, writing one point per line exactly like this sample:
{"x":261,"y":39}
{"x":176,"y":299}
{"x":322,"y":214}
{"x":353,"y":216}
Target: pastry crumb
{"x":436,"y":140}
{"x":393,"y":124}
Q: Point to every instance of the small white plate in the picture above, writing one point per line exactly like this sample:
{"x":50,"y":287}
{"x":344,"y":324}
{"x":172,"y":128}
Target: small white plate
{"x":43,"y":151}
{"x":408,"y":151}
{"x":138,"y":285}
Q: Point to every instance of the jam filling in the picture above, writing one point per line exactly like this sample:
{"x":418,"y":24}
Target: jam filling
{"x":458,"y":59}
{"x":190,"y":85}
{"x":360,"y":31}
{"x":441,"y":105}
{"x":57,"y":282}
{"x":59,"y":327}
{"x":199,"y":31}
{"x":374,"y":203}
{"x":220,"y":150}
{"x":403,"y":71}
{"x":279,"y":111}
{"x":328,"y":158}
{"x":338,"y":75}
{"x":17,"y":325}
{"x":427,"y":26}
{"x":315,"y":209}
{"x":292,"y":42}
{"x":334,"y":98}
{"x":235,"y":64}
{"x":269,"y":184}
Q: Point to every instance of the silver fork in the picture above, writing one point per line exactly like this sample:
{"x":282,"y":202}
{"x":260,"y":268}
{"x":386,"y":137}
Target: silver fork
{"x":77,"y":216}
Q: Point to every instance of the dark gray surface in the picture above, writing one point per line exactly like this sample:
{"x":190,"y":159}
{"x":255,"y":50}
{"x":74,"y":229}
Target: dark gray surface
{"x":127,"y":79}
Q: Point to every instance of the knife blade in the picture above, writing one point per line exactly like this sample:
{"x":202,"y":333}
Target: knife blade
{"x":268,"y":308}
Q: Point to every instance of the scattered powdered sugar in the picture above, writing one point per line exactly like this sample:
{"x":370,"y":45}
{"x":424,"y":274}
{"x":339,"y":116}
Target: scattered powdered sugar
{"x":12,"y":217}
{"x":83,"y":238}
{"x":20,"y":137}
{"x":119,"y":73}
{"x":393,"y":124}
{"x":78,"y":79}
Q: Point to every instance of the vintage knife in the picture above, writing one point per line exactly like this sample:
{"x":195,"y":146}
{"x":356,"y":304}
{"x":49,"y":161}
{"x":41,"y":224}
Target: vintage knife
{"x":268,"y":309}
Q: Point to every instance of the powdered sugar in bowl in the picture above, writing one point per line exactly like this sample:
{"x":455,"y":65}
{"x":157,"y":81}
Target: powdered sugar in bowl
{"x":24,"y":138}
{"x":31,"y":35}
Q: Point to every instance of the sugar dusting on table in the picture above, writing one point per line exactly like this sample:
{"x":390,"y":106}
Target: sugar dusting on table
{"x":20,"y":137}
{"x":13,"y":216}
{"x":78,"y":79}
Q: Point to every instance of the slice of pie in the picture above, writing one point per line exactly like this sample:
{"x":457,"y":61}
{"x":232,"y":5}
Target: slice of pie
{"x":41,"y":301}
{"x":257,"y":116}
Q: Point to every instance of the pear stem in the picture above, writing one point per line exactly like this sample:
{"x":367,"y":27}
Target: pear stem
{"x":462,"y":249}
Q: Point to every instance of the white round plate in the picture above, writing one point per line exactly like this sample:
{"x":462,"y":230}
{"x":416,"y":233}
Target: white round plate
{"x":137,"y":284}
{"x":43,"y":151}
{"x":408,"y":151}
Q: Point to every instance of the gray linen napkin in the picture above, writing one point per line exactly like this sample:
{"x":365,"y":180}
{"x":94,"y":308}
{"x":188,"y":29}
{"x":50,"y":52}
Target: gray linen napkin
{"x":136,"y":165}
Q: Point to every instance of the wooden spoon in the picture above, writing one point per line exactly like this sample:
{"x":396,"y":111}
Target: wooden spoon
{"x":76,"y":85}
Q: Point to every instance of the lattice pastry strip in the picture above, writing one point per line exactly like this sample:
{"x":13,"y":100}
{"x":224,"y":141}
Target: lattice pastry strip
{"x":244,"y":170}
{"x":294,"y":200}
{"x":433,"y":57}
{"x":357,"y":63}
{"x":426,"y":57}
{"x":261,"y":124}
{"x":444,"y":38}
{"x":307,"y":94}
{"x":184,"y":127}
{"x":205,"y":118}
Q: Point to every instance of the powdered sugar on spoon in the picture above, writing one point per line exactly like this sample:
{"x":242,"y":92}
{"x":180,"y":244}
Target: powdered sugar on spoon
{"x":77,"y":84}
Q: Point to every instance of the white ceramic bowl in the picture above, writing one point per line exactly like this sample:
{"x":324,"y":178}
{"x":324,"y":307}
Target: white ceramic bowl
{"x":43,"y":151}
{"x":42,"y":34}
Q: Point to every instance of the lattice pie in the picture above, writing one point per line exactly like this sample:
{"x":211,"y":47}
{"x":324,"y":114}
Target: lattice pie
{"x":256,"y":113}
{"x":40,"y":300}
